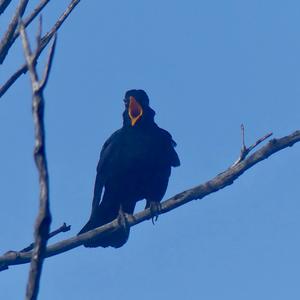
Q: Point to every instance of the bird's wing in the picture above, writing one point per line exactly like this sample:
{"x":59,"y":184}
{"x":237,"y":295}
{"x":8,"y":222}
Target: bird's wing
{"x":106,"y":153}
{"x":171,"y":144}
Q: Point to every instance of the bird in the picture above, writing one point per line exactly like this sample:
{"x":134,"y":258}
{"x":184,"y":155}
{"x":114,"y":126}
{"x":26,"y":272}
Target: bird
{"x":135,"y":164}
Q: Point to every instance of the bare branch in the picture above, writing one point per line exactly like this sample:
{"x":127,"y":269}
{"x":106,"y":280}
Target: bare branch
{"x":39,"y":33}
{"x":30,"y":18}
{"x":49,"y":63}
{"x":222,"y":180}
{"x":29,"y":57}
{"x":259,"y":141}
{"x":43,"y":220}
{"x":244,"y":150}
{"x":7,"y":40}
{"x":44,"y":42}
{"x":62,"y":228}
{"x":243,"y":137}
{"x":3,"y":5}
{"x":12,"y":79}
{"x":60,"y":21}
{"x":33,"y":15}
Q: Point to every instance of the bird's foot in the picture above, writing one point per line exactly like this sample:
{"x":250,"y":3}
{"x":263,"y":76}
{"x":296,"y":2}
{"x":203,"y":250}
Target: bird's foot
{"x":122,"y":220}
{"x":155,"y":208}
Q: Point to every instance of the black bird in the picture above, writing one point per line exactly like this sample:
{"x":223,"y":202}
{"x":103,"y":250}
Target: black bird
{"x":135,"y":164}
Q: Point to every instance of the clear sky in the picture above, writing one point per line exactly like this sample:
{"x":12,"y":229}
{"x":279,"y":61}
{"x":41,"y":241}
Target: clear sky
{"x":208,"y":66}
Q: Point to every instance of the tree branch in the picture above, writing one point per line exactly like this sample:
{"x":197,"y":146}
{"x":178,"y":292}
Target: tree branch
{"x":28,"y":20}
{"x":31,"y":17}
{"x":43,"y":220}
{"x":44,"y":42}
{"x":245,"y":150}
{"x":63,"y":228}
{"x":222,"y":180}
{"x":7,"y":40}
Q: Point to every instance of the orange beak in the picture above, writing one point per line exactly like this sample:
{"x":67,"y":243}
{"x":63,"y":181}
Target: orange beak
{"x":135,"y":110}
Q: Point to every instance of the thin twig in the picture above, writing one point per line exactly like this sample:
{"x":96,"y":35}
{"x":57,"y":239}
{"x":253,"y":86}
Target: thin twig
{"x":44,"y":42}
{"x":259,"y":141}
{"x":43,"y":220}
{"x":243,"y":137}
{"x":222,"y":180}
{"x":31,"y":17}
{"x":244,"y":150}
{"x":39,"y":33}
{"x":62,"y":228}
{"x":27,"y":20}
{"x":49,"y":63}
{"x":7,"y":40}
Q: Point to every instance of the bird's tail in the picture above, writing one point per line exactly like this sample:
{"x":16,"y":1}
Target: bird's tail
{"x":115,"y":239}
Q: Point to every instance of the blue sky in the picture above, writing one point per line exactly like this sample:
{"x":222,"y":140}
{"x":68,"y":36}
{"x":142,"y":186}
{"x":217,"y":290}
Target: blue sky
{"x":208,"y":66}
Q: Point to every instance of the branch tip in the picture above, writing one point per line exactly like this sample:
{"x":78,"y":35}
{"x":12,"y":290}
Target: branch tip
{"x":39,"y":33}
{"x":49,"y":63}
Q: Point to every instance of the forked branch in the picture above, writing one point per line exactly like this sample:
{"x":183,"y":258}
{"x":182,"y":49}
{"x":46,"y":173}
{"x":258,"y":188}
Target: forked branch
{"x":7,"y":40}
{"x":44,"y":41}
{"x":245,"y":150}
{"x":43,"y":220}
{"x":63,"y":228}
{"x":12,"y":38}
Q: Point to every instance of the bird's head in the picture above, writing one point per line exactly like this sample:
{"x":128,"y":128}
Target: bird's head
{"x":137,"y":107}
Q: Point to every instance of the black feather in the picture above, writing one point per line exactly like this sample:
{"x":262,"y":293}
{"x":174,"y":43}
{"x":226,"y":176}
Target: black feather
{"x":135,"y":164}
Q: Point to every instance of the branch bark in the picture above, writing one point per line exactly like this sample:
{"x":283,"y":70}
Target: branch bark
{"x":62,"y":228}
{"x":26,"y":21}
{"x":43,"y":220}
{"x":31,"y":17}
{"x":44,"y":42}
{"x":7,"y":40}
{"x":246,"y":150}
{"x":222,"y":180}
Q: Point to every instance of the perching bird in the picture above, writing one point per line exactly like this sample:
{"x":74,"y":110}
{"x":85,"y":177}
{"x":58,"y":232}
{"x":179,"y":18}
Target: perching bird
{"x":135,"y":164}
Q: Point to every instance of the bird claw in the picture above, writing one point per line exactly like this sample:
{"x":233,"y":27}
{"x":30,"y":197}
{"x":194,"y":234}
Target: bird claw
{"x":122,"y":220}
{"x":155,"y":208}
